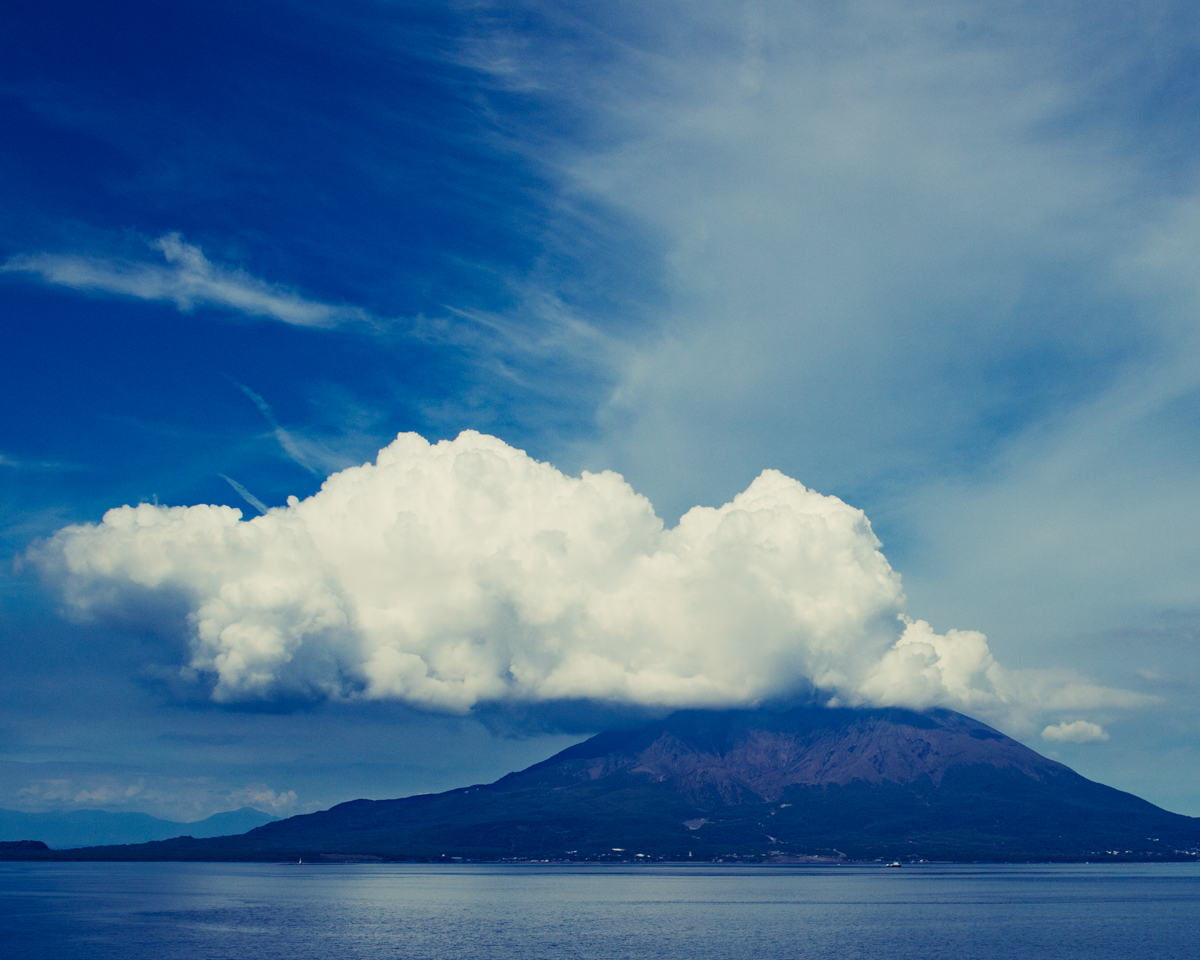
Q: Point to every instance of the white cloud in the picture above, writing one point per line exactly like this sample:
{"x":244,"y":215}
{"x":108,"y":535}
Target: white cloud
{"x":262,"y":797}
{"x":466,"y":572}
{"x":858,"y":208}
{"x":174,"y":798}
{"x":314,"y":457}
{"x":937,"y":257}
{"x":187,"y":279}
{"x":245,"y":494}
{"x":1078,"y":731}
{"x":47,"y":465}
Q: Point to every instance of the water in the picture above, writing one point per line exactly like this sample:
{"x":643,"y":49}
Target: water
{"x":267,"y":911}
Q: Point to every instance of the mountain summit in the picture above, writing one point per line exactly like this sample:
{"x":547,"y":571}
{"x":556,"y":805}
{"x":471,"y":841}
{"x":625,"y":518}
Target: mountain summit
{"x":814,"y":782}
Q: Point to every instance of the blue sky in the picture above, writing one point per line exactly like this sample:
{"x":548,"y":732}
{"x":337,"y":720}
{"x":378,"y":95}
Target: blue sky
{"x":937,"y":260}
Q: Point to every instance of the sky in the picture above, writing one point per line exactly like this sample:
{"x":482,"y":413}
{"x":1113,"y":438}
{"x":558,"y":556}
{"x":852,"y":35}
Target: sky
{"x":396,"y":393}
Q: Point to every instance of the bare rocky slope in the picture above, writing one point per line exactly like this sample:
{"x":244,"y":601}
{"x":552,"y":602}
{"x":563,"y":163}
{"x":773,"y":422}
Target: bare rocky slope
{"x":741,"y":785}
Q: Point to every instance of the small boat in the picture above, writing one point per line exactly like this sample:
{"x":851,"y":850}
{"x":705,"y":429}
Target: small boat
{"x":894,"y":863}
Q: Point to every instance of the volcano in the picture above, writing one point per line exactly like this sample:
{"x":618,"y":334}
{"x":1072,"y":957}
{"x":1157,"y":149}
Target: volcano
{"x":814,"y":783}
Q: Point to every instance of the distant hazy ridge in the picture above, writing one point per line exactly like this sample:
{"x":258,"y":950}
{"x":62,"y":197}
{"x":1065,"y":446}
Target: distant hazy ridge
{"x":89,"y":828}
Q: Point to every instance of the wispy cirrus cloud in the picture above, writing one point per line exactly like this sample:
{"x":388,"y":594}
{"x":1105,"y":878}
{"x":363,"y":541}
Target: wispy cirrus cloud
{"x":312,"y":455}
{"x":184,"y":277}
{"x":245,"y":494}
{"x":539,"y":346}
{"x":51,"y":465}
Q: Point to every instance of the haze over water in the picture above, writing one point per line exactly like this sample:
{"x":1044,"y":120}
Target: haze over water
{"x":265,"y":911}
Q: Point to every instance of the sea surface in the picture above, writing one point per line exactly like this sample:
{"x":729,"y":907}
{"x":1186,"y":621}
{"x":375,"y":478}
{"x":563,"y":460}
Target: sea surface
{"x":338,"y":912}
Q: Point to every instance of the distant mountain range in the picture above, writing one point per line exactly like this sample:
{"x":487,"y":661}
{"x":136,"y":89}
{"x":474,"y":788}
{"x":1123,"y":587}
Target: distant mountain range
{"x":91,"y":828}
{"x":812,"y":783}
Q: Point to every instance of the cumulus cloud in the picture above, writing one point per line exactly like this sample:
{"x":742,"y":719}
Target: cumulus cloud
{"x":466,"y":573}
{"x":1078,"y":731}
{"x":262,"y":797}
{"x":187,"y":279}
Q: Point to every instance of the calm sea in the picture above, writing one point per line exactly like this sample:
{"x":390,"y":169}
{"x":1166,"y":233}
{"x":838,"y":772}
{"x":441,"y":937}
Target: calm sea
{"x":262,"y":912}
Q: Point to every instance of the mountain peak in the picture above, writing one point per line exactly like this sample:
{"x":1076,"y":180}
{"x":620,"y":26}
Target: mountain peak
{"x":744,"y":755}
{"x":743,"y":784}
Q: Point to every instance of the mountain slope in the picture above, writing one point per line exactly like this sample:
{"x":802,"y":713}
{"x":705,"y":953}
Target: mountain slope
{"x":838,"y":783}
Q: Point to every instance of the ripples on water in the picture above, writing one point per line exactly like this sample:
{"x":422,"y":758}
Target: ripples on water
{"x":266,"y":911}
